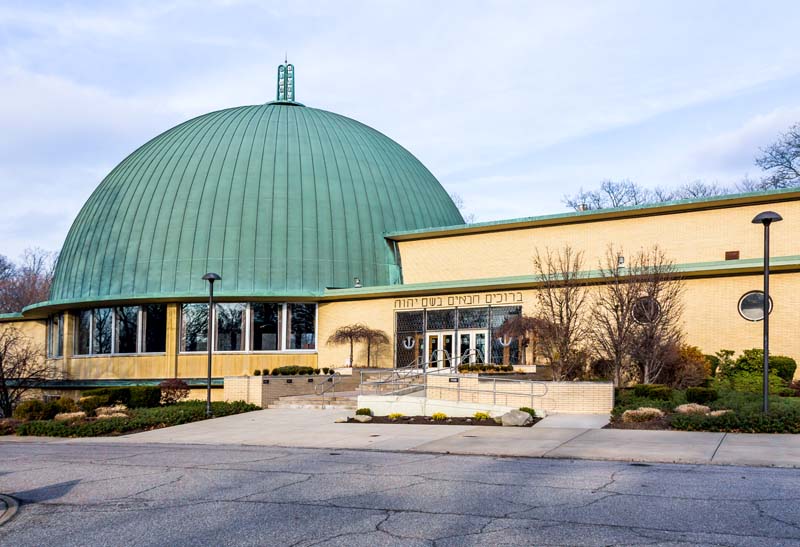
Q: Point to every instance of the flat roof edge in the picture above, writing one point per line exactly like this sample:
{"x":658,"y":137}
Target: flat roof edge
{"x":573,"y":217}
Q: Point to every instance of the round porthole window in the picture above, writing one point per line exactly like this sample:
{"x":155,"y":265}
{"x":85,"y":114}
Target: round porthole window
{"x":751,"y":305}
{"x":646,"y":310}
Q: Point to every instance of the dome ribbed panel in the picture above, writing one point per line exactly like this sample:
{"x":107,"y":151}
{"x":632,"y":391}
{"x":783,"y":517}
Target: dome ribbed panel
{"x":280,"y":200}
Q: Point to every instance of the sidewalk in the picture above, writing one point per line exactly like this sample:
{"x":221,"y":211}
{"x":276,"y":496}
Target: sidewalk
{"x":303,"y":428}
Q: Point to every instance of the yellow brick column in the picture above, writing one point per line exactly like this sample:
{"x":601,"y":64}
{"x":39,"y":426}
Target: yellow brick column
{"x":173,"y":334}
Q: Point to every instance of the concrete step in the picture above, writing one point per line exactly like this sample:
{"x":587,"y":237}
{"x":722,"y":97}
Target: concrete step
{"x":328,"y":404}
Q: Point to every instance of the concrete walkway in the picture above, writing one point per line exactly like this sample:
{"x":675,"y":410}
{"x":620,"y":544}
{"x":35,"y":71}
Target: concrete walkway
{"x":302,"y":428}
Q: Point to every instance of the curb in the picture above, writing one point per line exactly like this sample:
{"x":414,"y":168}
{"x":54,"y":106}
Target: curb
{"x":8,"y":508}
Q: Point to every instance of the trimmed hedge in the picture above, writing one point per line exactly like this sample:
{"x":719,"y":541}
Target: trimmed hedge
{"x":34,"y":409}
{"x":701,"y":395}
{"x":783,"y":420}
{"x":292,"y":370}
{"x":752,"y":360}
{"x":140,"y":419}
{"x":653,"y":391}
{"x":132,"y":397}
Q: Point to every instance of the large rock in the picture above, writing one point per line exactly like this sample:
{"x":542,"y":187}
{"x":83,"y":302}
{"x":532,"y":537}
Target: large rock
{"x":516,"y":418}
{"x":362,"y":419}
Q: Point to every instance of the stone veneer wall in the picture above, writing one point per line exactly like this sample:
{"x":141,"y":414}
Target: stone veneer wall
{"x":252,"y":389}
{"x":576,"y":397}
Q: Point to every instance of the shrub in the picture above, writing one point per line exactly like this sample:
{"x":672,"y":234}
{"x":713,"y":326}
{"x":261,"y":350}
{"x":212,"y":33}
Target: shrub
{"x":69,"y":416}
{"x":326,"y":370}
{"x":783,"y":420}
{"x":145,"y":397}
{"x":32,"y":409}
{"x":256,"y":372}
{"x":139,"y":419}
{"x":120,"y":395}
{"x":481,"y":416}
{"x":173,"y":390}
{"x":714,"y":363}
{"x":692,"y":408}
{"x":395,"y":416}
{"x":653,"y":391}
{"x":644,"y":414}
{"x":91,"y":403}
{"x":753,"y":382}
{"x":701,"y":395}
{"x":364,"y":412}
{"x":752,"y":360}
{"x":317,"y":371}
{"x":690,"y":369}
{"x":529,"y":410}
{"x":292,"y":370}
{"x":439,"y":416}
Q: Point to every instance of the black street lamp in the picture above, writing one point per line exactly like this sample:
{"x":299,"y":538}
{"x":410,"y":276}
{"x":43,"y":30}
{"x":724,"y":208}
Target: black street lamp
{"x":766,"y":218}
{"x":210,"y":277}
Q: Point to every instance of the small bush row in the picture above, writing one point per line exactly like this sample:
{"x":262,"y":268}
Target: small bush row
{"x":34,"y":409}
{"x":782,"y":420}
{"x":130,"y":396}
{"x":485,"y":368}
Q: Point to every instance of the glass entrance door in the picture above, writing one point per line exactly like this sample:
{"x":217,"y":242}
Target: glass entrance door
{"x":472,"y":347}
{"x":441,"y":349}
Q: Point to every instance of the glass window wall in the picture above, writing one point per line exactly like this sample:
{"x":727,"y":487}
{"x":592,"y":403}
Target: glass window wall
{"x":154,"y":328}
{"x":126,"y":329}
{"x":194,"y":327}
{"x":101,"y":330}
{"x":265,"y":326}
{"x":300,"y":326}
{"x":230,"y":326}
{"x":83,"y":332}
{"x":55,"y":340}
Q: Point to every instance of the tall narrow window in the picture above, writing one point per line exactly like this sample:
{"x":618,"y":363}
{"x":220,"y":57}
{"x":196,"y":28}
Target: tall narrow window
{"x":154,"y":328}
{"x":194,"y":327}
{"x":83,"y":332}
{"x":300,"y":326}
{"x":230,"y":326}
{"x":56,"y":336}
{"x":101,"y":341}
{"x":265,"y":326}
{"x":127,"y":329}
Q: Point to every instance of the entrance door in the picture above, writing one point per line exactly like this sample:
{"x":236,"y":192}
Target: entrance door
{"x":441,"y":348}
{"x":472,"y":347}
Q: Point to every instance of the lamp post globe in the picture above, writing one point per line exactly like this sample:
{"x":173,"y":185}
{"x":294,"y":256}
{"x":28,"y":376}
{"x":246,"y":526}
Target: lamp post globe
{"x":211,"y":277}
{"x":766,"y":218}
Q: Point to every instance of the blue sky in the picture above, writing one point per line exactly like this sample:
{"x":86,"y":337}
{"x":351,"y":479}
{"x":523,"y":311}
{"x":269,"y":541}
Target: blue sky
{"x":510,"y":104}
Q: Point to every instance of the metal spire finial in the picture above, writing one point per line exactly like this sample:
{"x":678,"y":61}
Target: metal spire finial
{"x":285,"y":81}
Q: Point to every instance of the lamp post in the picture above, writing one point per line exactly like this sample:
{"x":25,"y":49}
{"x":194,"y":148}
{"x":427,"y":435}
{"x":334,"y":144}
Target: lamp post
{"x":766,"y":218}
{"x":210,"y":277}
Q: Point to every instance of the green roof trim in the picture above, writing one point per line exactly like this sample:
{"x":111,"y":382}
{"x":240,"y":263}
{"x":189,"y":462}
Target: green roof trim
{"x":279,"y":199}
{"x":16,"y":316}
{"x":728,"y":200}
{"x":693,"y":269}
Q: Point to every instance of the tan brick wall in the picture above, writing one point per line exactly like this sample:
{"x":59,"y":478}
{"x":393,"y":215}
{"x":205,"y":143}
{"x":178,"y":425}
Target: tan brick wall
{"x":376,"y":314}
{"x":699,"y":236}
{"x":576,"y":397}
{"x":252,"y":389}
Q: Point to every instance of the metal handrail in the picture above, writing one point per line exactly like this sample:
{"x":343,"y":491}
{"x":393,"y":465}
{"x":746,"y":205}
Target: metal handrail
{"x":329,"y":379}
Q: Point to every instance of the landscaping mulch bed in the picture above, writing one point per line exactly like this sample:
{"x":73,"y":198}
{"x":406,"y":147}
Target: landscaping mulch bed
{"x":659,"y":424}
{"x":427,"y":420}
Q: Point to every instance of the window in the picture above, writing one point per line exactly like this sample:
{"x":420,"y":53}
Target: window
{"x":126,"y":329}
{"x":301,"y":319}
{"x":751,"y":306}
{"x":265,"y":326}
{"x":230,"y":326}
{"x":101,"y":329}
{"x":84,"y":332}
{"x":194,"y":327}
{"x":473,"y":318}
{"x":442,"y":319}
{"x":56,"y":336}
{"x":154,"y":328}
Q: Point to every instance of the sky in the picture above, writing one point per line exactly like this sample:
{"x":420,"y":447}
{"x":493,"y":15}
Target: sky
{"x":511,"y":105}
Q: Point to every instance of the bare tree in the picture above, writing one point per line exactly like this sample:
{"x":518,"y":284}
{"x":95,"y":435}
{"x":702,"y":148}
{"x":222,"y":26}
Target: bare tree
{"x":658,"y":312}
{"x":561,"y":300}
{"x":349,"y":334}
{"x":700,"y":189}
{"x":782,"y":160}
{"x":469,"y":218}
{"x":28,"y":282}
{"x":374,"y":337}
{"x":613,"y":328}
{"x":22,"y":367}
{"x":610,"y":194}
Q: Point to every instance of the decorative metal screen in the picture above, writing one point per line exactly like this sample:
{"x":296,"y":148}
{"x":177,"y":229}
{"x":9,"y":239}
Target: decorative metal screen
{"x":409,"y":337}
{"x":473,"y":318}
{"x":442,"y":319}
{"x":504,"y":351}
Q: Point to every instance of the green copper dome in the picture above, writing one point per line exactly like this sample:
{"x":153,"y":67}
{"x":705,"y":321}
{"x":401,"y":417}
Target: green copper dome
{"x":279,"y":199}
